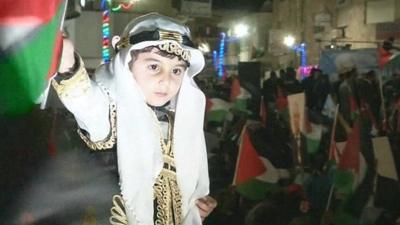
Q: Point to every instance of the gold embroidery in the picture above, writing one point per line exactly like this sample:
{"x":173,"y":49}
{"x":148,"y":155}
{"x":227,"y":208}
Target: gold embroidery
{"x":124,"y":42}
{"x":170,"y":35}
{"x":118,"y":215}
{"x":166,"y":190}
{"x":79,"y":81}
{"x":109,"y":142}
{"x":176,"y":49}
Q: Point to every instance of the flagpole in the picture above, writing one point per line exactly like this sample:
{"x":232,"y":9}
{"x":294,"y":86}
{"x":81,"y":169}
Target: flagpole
{"x":328,"y":204}
{"x":44,"y":96}
{"x":239,"y":154}
{"x":331,"y":154}
{"x":333,"y":130}
{"x":382,"y":103}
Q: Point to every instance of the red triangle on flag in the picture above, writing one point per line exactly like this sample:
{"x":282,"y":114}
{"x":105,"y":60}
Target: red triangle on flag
{"x":248,"y":164}
{"x":209,"y":104}
{"x":353,"y":104}
{"x":350,"y":157}
{"x":57,"y":52}
{"x":235,"y":89}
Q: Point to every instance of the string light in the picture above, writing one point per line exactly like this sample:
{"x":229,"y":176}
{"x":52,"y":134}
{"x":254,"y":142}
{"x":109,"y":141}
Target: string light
{"x":303,"y":57}
{"x":221,"y":55}
{"x":215,"y":60}
{"x":125,"y":6}
{"x":105,"y":6}
{"x":106,"y":30}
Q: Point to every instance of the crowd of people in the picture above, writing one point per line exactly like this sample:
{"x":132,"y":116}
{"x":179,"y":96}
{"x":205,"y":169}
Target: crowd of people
{"x":313,"y":194}
{"x":139,"y":152}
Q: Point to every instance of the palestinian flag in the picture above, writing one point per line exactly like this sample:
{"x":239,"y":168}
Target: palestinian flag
{"x":239,"y":96}
{"x":30,"y":48}
{"x":349,"y":158}
{"x":312,"y":133}
{"x":217,"y":110}
{"x":350,"y":165}
{"x":255,"y":176}
{"x":240,"y":102}
{"x":346,"y":180}
{"x":313,"y":138}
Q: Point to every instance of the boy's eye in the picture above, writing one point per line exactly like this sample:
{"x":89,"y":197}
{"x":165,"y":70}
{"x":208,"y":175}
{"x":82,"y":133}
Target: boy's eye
{"x":177,"y":71}
{"x":153,"y":67}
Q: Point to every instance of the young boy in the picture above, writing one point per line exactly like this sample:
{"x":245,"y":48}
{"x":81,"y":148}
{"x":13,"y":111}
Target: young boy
{"x":146,"y":103}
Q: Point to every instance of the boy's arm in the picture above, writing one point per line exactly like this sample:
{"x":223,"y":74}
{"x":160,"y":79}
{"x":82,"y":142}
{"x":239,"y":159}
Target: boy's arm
{"x":93,"y":108}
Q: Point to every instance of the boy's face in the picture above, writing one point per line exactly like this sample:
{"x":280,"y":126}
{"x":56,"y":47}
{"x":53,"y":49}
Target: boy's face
{"x":159,"y":77}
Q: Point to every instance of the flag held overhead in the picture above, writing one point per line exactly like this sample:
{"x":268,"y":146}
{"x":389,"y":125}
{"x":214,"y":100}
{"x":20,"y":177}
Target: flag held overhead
{"x":28,"y":56}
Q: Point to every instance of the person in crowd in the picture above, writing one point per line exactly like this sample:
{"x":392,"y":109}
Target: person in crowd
{"x":370,"y":97}
{"x":316,"y":88}
{"x":347,"y":95}
{"x":270,"y":90}
{"x":291,"y":84}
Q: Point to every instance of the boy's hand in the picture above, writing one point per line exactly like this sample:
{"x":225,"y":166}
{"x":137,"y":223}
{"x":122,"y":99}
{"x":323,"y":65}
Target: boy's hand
{"x":206,"y":205}
{"x":67,"y":57}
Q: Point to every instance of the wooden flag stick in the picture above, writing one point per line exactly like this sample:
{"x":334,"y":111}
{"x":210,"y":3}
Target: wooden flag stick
{"x":331,"y":154}
{"x":333,"y":130}
{"x":384,"y":119}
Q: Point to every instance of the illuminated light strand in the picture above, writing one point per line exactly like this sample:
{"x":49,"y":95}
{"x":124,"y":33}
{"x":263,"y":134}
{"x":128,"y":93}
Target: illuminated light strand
{"x":215,"y":60}
{"x":116,"y":8}
{"x":105,"y":6}
{"x":221,"y":55}
{"x":125,"y":6}
{"x":106,"y":30}
{"x":303,"y":58}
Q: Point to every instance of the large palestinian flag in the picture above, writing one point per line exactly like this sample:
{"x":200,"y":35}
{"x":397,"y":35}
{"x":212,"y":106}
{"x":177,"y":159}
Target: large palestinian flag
{"x":30,"y":46}
{"x":255,"y":176}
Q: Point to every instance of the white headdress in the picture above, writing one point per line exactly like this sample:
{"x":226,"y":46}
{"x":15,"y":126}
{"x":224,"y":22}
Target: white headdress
{"x":138,"y":137}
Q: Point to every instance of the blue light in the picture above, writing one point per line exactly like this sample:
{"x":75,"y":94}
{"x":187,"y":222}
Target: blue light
{"x":215,"y":60}
{"x":221,"y":55}
{"x":103,"y":4}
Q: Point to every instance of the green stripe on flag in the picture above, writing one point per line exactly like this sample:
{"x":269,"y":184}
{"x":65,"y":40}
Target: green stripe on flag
{"x":313,"y":138}
{"x":24,"y":72}
{"x":240,"y":104}
{"x":344,"y":181}
{"x":217,"y":116}
{"x":312,"y":145}
{"x":256,"y":190}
